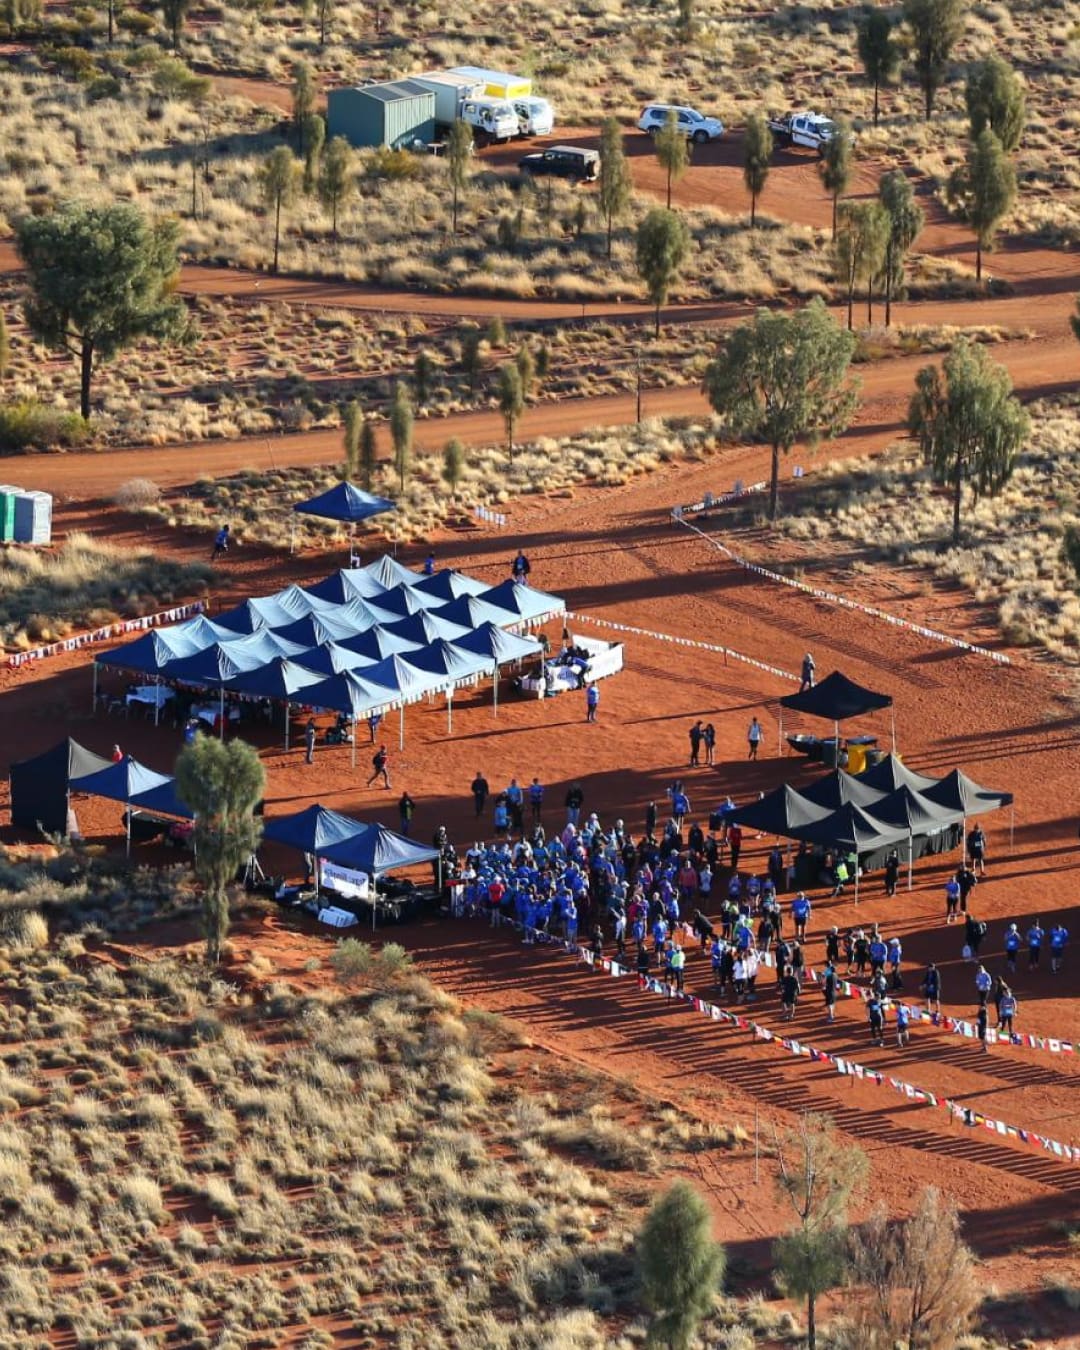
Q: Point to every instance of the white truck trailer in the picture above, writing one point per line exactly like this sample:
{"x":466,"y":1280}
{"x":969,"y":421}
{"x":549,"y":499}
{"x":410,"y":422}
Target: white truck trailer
{"x":461,"y":98}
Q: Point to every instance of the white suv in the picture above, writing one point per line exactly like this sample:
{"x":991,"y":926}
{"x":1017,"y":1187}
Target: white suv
{"x":698,"y":128}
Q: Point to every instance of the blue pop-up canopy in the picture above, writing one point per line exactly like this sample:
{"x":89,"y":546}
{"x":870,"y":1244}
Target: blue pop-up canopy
{"x":312,"y":830}
{"x":530,"y":605}
{"x":342,"y":621}
{"x":345,"y":502}
{"x":375,"y":850}
{"x":348,"y":583}
{"x":149,"y":653}
{"x":447,"y":585}
{"x":379,"y":642}
{"x":422,"y":628}
{"x":403,"y":599}
{"x":134,"y":784}
{"x":471,"y":611}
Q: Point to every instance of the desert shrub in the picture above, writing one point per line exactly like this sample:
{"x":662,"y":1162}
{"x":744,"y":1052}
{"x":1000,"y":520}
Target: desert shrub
{"x":137,"y":492}
{"x":27,"y":425}
{"x":23,"y":930}
{"x":136,"y":22}
{"x":396,"y":166}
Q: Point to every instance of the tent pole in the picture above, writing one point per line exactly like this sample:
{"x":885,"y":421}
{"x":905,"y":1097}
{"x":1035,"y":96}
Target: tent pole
{"x":93,"y":705}
{"x":1012,"y":822}
{"x":128,"y":814}
{"x":355,"y":725}
{"x":401,"y":727}
{"x":495,"y":703}
{"x":286,"y":726}
{"x":157,"y":699}
{"x":221,"y":714}
{"x":375,"y":892}
{"x":449,"y":709}
{"x":892,"y":734}
{"x":856,"y":875}
{"x":910,"y":851}
{"x":782,"y":742}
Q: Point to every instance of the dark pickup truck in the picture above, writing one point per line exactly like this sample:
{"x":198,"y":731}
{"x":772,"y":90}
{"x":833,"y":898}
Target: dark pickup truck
{"x":563,"y":161}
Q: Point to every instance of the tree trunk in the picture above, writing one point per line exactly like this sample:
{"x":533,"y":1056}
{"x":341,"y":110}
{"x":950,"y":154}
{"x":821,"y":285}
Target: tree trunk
{"x":453,"y":212}
{"x":835,"y":199}
{"x":112,"y":16}
{"x":656,"y":329}
{"x":669,"y":188}
{"x":86,"y":369}
{"x":811,"y":1322}
{"x":774,"y":484}
{"x":869,"y":302}
{"x":850,"y":306}
{"x":888,"y":284}
{"x":510,"y":439}
{"x":610,"y":222}
{"x":194,"y":186}
{"x":333,"y":217}
{"x":928,"y":93}
{"x":277,"y":232}
{"x":876,"y":86}
{"x":958,"y":488}
{"x":978,"y":259}
{"x":753,"y":209}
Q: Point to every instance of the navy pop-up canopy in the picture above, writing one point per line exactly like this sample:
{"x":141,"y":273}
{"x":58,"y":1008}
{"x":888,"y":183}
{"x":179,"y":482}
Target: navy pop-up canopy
{"x":134,"y":784}
{"x":448,"y":585}
{"x":346,"y":503}
{"x":39,"y":786}
{"x":312,"y":830}
{"x":531,"y":606}
{"x":377,"y":850}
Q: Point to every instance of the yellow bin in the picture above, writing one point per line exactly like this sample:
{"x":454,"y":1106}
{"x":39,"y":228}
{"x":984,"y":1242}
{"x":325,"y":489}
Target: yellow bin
{"x":856,"y":758}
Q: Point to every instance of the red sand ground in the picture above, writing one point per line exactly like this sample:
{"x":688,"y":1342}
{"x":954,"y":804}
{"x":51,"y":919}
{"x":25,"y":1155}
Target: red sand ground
{"x":614,"y":554}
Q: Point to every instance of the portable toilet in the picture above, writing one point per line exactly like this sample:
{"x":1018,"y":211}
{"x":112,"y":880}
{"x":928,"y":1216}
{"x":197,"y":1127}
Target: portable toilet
{"x":395,"y":113}
{"x":7,"y":514}
{"x":33,"y":518}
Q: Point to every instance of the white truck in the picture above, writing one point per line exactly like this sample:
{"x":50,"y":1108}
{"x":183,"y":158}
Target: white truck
{"x":535,"y":114}
{"x":460,"y":98}
{"x":803,"y":128}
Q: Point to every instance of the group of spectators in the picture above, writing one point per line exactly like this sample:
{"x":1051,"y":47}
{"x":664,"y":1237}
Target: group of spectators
{"x":596,"y":884}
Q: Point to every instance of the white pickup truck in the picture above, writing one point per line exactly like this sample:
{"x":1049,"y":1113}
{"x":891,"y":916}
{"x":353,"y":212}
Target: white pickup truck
{"x":803,"y":128}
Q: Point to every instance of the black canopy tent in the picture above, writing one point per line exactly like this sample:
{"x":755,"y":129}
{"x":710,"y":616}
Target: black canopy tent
{"x":854,"y":829}
{"x":923,"y":819}
{"x":40,"y":786}
{"x":837,"y":788}
{"x":892,"y":773}
{"x":836,"y":698}
{"x":958,"y":792}
{"x":781,"y":812}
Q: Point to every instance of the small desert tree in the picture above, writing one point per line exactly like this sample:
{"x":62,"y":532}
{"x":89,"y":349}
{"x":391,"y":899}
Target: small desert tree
{"x":5,"y":348}
{"x":614,"y":186}
{"x":816,"y":1172}
{"x":757,"y":156}
{"x":906,"y":219}
{"x":1074,"y":320}
{"x":919,"y":1277}
{"x":369,"y":454}
{"x":784,"y":378}
{"x":99,"y":278}
{"x":511,"y":402}
{"x":859,"y":250}
{"x":314,"y":139}
{"x":968,"y":423}
{"x":337,"y":178}
{"x":680,"y":1267}
{"x":459,"y":145}
{"x":453,"y":464}
{"x":835,"y":164}
{"x":423,"y":370}
{"x":22,"y":15}
{"x":984,"y":191}
{"x":324,"y":12}
{"x":472,"y":356}
{"x":936,"y":27}
{"x":303,"y":101}
{"x":684,"y":25}
{"x":353,"y":422}
{"x":175,"y":14}
{"x":995,"y":99}
{"x":663,"y":241}
{"x":222,"y":782}
{"x":280,"y":176}
{"x":401,"y":433}
{"x":672,"y":150}
{"x":526,"y":364}
{"x":879,"y":52}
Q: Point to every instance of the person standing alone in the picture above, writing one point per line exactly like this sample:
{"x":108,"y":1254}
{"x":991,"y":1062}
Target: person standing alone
{"x":221,"y":543}
{"x":753,"y":736}
{"x":807,"y":673}
{"x":380,"y":762}
{"x":309,"y":741}
{"x":592,"y":702}
{"x":480,"y":792}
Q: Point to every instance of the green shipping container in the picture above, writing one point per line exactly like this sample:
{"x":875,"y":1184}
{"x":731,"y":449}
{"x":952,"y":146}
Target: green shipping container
{"x":7,"y":517}
{"x":396,"y":113}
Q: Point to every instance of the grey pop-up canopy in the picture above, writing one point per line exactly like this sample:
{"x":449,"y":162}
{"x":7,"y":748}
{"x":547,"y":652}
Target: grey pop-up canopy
{"x":893,"y":773}
{"x":836,"y":699}
{"x":39,"y":786}
{"x":782,"y":812}
{"x":837,"y":788}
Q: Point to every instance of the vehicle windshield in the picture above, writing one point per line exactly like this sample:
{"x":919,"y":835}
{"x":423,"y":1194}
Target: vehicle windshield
{"x":694,"y":116}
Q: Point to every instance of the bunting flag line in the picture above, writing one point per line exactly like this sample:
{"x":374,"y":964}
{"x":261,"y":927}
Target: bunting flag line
{"x":684,"y":642}
{"x":831,"y":598}
{"x":842,"y":1065}
{"x":710,"y":500}
{"x":110,"y":630}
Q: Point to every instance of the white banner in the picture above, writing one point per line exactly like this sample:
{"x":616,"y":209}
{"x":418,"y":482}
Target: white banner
{"x":112,"y":630}
{"x":343,"y":880}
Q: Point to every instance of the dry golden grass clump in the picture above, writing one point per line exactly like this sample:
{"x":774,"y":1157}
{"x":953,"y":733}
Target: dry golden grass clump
{"x":181,"y":1158}
{"x":1011,"y":554}
{"x":87,"y":583}
{"x":258,"y":503}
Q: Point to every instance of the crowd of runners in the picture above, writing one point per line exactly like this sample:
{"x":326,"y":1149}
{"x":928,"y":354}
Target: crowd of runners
{"x":652,"y":898}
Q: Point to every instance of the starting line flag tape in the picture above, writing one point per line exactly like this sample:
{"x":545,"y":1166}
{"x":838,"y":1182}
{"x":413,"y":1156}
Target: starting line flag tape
{"x":684,"y":642}
{"x":831,"y":598}
{"x":110,"y":630}
{"x":842,"y":1065}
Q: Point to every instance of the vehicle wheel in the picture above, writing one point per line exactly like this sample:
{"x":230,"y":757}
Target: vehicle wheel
{"x":700,"y":137}
{"x":651,"y":133}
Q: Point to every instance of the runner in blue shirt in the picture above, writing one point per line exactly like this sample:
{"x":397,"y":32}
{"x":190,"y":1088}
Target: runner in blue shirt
{"x":895,"y":955}
{"x":1059,"y":936}
{"x":903,"y":1020}
{"x":952,"y":899}
{"x":800,"y":912}
{"x":1035,"y":937}
{"x":1012,"y":946}
{"x":879,"y":951}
